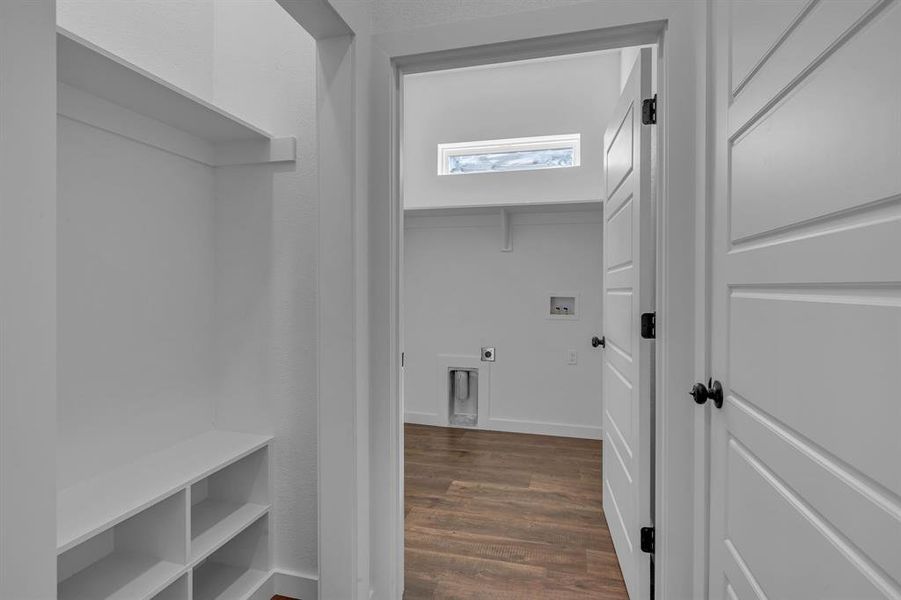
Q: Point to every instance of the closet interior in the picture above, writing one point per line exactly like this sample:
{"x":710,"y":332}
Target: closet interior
{"x":153,"y":500}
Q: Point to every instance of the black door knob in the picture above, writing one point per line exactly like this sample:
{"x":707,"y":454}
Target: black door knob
{"x":712,"y":391}
{"x":598,"y":341}
{"x":699,"y":393}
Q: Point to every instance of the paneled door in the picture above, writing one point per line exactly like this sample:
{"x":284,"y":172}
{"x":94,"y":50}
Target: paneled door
{"x":806,"y":450}
{"x":629,"y":292}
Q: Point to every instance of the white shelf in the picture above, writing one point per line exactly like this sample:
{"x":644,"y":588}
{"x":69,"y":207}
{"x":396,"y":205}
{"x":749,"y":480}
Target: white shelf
{"x":217,"y":581}
{"x":88,"y":67}
{"x":214,"y":522}
{"x":120,"y":576}
{"x":100,"y":89}
{"x":92,"y":506}
{"x":481,"y":209}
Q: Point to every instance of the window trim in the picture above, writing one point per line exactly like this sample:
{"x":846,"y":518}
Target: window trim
{"x":540,"y":142}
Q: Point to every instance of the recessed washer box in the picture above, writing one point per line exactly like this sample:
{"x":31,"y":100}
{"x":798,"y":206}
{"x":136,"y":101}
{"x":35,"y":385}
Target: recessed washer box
{"x":563,"y":305}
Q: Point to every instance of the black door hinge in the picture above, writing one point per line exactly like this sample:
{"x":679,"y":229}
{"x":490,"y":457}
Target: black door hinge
{"x":649,"y":111}
{"x":403,"y":359}
{"x":649,"y":326}
{"x":647,"y":540}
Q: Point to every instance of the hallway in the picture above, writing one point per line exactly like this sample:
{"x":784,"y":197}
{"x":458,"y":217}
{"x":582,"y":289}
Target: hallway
{"x":493,"y":515}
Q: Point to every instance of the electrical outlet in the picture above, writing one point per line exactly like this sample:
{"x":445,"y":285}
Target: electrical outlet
{"x":572,"y":357}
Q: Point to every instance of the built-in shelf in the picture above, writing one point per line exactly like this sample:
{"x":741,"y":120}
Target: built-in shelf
{"x":216,"y":522}
{"x":218,"y":581}
{"x":120,"y":576}
{"x":225,"y":139}
{"x":97,"y":504}
{"x":482,"y":209}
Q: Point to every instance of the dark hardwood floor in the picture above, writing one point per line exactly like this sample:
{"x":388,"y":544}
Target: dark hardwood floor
{"x":504,"y":516}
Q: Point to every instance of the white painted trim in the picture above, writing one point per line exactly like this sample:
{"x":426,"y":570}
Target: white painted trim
{"x":420,"y":220}
{"x":514,"y":426}
{"x":585,"y":205}
{"x":295,"y":585}
{"x":561,"y":31}
{"x":93,"y":111}
{"x":339,"y":471}
{"x":540,"y":428}
{"x":538,"y":142}
{"x":423,"y":418}
{"x":289,"y":584}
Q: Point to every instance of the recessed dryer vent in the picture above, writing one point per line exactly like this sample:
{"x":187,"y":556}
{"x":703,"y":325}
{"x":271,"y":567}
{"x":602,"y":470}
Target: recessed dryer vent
{"x":463,"y":397}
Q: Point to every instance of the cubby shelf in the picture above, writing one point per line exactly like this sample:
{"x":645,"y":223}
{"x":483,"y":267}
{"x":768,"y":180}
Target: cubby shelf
{"x":132,"y":98}
{"x":214,"y":523}
{"x":92,"y":506}
{"x":120,"y":576}
{"x":215,"y":581}
{"x":195,"y":514}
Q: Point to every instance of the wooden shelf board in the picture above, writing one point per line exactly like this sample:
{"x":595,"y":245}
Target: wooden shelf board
{"x":120,"y":576}
{"x":88,"y":67}
{"x":214,"y":522}
{"x":94,"y":505}
{"x":217,"y":581}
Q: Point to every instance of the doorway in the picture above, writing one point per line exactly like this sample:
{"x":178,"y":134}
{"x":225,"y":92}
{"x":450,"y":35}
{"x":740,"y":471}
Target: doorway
{"x":476,"y":395}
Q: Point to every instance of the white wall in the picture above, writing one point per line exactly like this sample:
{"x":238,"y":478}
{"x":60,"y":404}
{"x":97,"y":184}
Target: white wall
{"x":27,"y":300}
{"x":266,"y":273}
{"x":462,"y":293}
{"x":171,"y":39}
{"x":573,"y":94}
{"x":399,"y":15}
{"x":135,"y":245}
{"x":259,"y":232}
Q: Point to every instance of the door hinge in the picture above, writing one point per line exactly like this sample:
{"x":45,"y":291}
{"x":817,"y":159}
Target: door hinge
{"x":647,"y":540}
{"x":649,"y":325}
{"x":403,"y":359}
{"x":649,"y":111}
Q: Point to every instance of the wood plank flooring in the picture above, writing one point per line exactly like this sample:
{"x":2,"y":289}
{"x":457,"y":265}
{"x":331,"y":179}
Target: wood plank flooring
{"x":504,"y":516}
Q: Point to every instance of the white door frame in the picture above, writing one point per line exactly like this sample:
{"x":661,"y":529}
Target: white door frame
{"x":674,"y":436}
{"x":371,"y":468}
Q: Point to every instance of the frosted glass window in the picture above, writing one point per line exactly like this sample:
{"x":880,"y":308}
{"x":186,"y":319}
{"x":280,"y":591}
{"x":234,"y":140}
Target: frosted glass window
{"x":517,"y":154}
{"x":511,"y":161}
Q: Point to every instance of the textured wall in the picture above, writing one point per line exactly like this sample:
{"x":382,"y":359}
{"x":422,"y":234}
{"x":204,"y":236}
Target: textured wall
{"x":266,"y":252}
{"x":135,"y":240}
{"x":574,"y":94}
{"x":397,"y":15}
{"x":172,"y":39}
{"x":462,"y":293}
{"x":28,"y":300}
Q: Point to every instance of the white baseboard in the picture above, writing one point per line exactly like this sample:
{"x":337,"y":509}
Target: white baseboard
{"x":421,"y":418}
{"x":290,"y":584}
{"x":537,"y":427}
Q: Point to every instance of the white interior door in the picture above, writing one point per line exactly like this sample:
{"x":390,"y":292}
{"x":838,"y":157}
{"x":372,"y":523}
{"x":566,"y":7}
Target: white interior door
{"x":806,"y":450}
{"x":628,"y":292}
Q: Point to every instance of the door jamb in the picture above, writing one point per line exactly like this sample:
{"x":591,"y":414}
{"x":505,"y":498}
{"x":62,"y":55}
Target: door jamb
{"x":652,"y":32}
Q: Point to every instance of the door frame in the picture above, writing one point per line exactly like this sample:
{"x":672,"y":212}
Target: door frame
{"x":674,"y":447}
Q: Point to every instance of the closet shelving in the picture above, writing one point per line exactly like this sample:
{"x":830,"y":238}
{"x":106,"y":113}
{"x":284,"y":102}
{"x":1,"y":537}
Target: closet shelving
{"x":200,"y":506}
{"x":193,"y":128}
{"x":190,"y":521}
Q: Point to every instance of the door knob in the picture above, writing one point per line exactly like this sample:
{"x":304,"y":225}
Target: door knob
{"x":712,"y":391}
{"x":598,"y":341}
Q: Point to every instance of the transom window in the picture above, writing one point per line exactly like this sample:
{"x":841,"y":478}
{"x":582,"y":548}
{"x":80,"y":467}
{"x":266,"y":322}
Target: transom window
{"x":514,"y":154}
